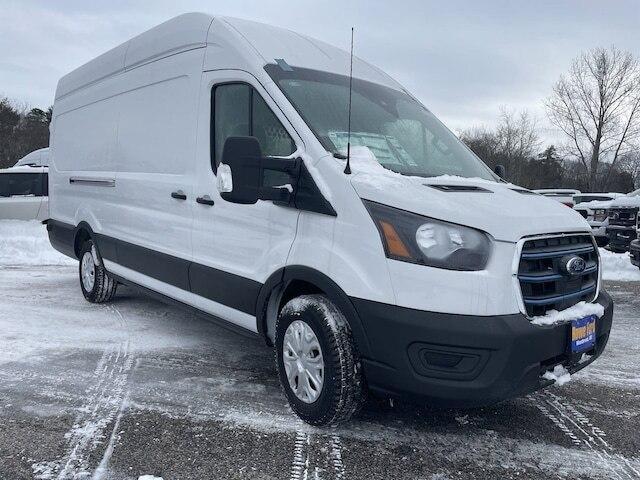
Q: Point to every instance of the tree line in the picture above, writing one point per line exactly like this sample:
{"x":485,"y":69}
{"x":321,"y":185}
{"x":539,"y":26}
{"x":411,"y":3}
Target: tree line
{"x":22,"y":130}
{"x":596,"y":107}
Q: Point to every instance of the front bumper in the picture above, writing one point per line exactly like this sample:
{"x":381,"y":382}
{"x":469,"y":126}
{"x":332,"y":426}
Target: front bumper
{"x":620,"y":238}
{"x":465,"y":361}
{"x":634,"y":251}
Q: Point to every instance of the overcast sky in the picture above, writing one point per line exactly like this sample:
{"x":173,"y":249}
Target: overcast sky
{"x":463,"y":59}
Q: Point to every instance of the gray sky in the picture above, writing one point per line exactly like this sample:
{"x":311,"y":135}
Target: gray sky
{"x":463,"y":59}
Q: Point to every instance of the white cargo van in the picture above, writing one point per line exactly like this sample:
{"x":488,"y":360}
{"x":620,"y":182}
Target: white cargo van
{"x":205,"y":160}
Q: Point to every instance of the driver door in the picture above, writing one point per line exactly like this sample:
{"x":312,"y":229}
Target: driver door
{"x":237,"y":247}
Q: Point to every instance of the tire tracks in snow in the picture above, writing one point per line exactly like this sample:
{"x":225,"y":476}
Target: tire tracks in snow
{"x":317,"y":457}
{"x":584,"y":433}
{"x":106,"y":400}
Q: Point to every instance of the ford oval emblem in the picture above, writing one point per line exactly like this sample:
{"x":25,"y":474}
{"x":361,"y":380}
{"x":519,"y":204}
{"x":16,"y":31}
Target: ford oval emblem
{"x":574,"y":265}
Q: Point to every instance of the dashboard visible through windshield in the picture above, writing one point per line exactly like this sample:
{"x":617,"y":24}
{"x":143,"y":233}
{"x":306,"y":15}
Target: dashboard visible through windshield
{"x":403,"y":135}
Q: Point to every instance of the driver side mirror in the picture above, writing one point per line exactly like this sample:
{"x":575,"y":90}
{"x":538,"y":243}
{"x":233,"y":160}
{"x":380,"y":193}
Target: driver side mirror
{"x":500,"y":171}
{"x":241,"y":173}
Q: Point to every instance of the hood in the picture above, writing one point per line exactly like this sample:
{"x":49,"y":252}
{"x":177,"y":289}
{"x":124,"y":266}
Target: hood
{"x":627,"y":201}
{"x":505,"y":211}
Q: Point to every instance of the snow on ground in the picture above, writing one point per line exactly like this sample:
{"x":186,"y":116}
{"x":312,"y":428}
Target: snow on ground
{"x":151,"y":391}
{"x":618,"y":266}
{"x":559,"y":374}
{"x":27,"y":243}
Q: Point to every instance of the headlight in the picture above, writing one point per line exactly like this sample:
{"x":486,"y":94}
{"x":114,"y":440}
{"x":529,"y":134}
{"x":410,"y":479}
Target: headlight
{"x":413,"y":238}
{"x":600,"y":214}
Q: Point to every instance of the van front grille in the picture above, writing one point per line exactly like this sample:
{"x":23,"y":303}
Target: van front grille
{"x":544,"y":280}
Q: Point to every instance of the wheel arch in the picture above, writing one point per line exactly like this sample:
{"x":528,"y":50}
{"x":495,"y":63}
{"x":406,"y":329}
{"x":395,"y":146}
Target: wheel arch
{"x":295,"y":280}
{"x":83,"y":232}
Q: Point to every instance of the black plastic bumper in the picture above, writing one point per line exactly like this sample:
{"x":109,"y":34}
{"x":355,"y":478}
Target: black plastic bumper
{"x":634,"y":251}
{"x":621,"y":238}
{"x":466,"y":361}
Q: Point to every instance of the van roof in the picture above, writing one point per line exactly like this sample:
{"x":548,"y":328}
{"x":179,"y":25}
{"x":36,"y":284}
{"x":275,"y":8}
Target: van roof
{"x":238,"y":44}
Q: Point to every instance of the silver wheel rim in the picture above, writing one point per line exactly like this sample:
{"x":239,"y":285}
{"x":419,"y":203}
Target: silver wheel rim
{"x":303,"y":361}
{"x":88,"y":271}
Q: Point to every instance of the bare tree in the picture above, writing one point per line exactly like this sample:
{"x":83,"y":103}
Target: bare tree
{"x":597,"y":105}
{"x":518,"y":140}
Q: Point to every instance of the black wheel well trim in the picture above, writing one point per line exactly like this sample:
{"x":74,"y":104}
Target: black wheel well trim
{"x":273,"y":291}
{"x":82,"y":228}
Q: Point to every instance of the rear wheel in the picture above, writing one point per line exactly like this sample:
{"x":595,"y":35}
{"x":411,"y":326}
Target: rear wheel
{"x":96,"y":283}
{"x":317,"y":361}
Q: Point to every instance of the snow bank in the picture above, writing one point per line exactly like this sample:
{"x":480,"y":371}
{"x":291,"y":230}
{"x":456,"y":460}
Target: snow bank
{"x":579,"y":310}
{"x":149,"y":477}
{"x":559,"y":374}
{"x":618,"y":267}
{"x":27,"y":243}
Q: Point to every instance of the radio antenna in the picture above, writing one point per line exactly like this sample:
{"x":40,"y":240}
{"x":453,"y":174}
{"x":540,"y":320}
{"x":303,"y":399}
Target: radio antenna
{"x":347,"y":168}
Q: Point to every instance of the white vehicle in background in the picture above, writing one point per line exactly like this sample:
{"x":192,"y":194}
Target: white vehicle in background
{"x":594,"y":207}
{"x":37,"y":158}
{"x":24,"y":188}
{"x":562,"y":195}
{"x":205,"y":161}
{"x":623,"y":221}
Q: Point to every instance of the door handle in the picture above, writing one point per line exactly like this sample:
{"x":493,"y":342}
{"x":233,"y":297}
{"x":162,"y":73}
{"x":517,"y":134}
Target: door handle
{"x":179,"y":195}
{"x":206,"y":200}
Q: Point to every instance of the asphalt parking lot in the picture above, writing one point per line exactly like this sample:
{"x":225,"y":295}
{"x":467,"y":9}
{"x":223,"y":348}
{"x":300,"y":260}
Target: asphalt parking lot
{"x":137,"y":387}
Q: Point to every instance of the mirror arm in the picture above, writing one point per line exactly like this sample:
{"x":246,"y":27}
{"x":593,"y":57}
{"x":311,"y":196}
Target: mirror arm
{"x":281,"y":196}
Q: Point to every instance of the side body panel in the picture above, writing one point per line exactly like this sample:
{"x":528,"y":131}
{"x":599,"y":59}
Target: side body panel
{"x":20,"y":207}
{"x":154,"y":153}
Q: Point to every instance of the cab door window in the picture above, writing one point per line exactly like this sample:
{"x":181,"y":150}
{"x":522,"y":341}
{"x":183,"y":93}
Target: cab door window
{"x":238,"y":110}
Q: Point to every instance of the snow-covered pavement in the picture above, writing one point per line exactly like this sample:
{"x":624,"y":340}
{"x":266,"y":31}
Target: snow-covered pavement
{"x":137,"y":388}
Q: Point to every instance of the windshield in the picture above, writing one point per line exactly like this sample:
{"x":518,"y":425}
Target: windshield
{"x":403,"y":135}
{"x":589,"y":198}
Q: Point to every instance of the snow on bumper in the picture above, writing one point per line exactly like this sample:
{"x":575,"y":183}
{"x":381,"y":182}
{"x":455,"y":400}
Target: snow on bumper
{"x":463,"y":361}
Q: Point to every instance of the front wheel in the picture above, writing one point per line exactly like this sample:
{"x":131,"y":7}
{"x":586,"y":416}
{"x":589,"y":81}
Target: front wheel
{"x":96,"y":283}
{"x":317,"y":361}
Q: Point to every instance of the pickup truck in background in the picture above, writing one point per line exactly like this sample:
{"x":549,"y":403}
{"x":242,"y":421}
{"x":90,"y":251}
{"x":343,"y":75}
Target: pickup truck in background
{"x":562,"y":195}
{"x":623,"y":218}
{"x":594,"y":207}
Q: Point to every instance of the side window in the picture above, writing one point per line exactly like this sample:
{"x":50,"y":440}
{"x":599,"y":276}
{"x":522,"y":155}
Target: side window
{"x":238,"y":110}
{"x":4,"y":185}
{"x":19,"y":184}
{"x":265,"y":126}
{"x":231,"y":112}
{"x":45,"y":184}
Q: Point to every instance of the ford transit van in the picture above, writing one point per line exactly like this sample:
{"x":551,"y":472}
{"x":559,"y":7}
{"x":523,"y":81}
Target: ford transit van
{"x":207,"y":161}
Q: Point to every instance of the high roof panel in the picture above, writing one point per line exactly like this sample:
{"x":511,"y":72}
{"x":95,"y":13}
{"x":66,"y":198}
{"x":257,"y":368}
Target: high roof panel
{"x":178,"y":34}
{"x":240,"y":38}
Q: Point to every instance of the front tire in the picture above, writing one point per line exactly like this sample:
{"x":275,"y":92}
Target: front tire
{"x":318,"y":364}
{"x":96,"y":283}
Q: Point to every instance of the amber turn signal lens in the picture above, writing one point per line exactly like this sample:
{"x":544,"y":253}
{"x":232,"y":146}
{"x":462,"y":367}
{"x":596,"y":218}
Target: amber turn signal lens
{"x":394,"y":243}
